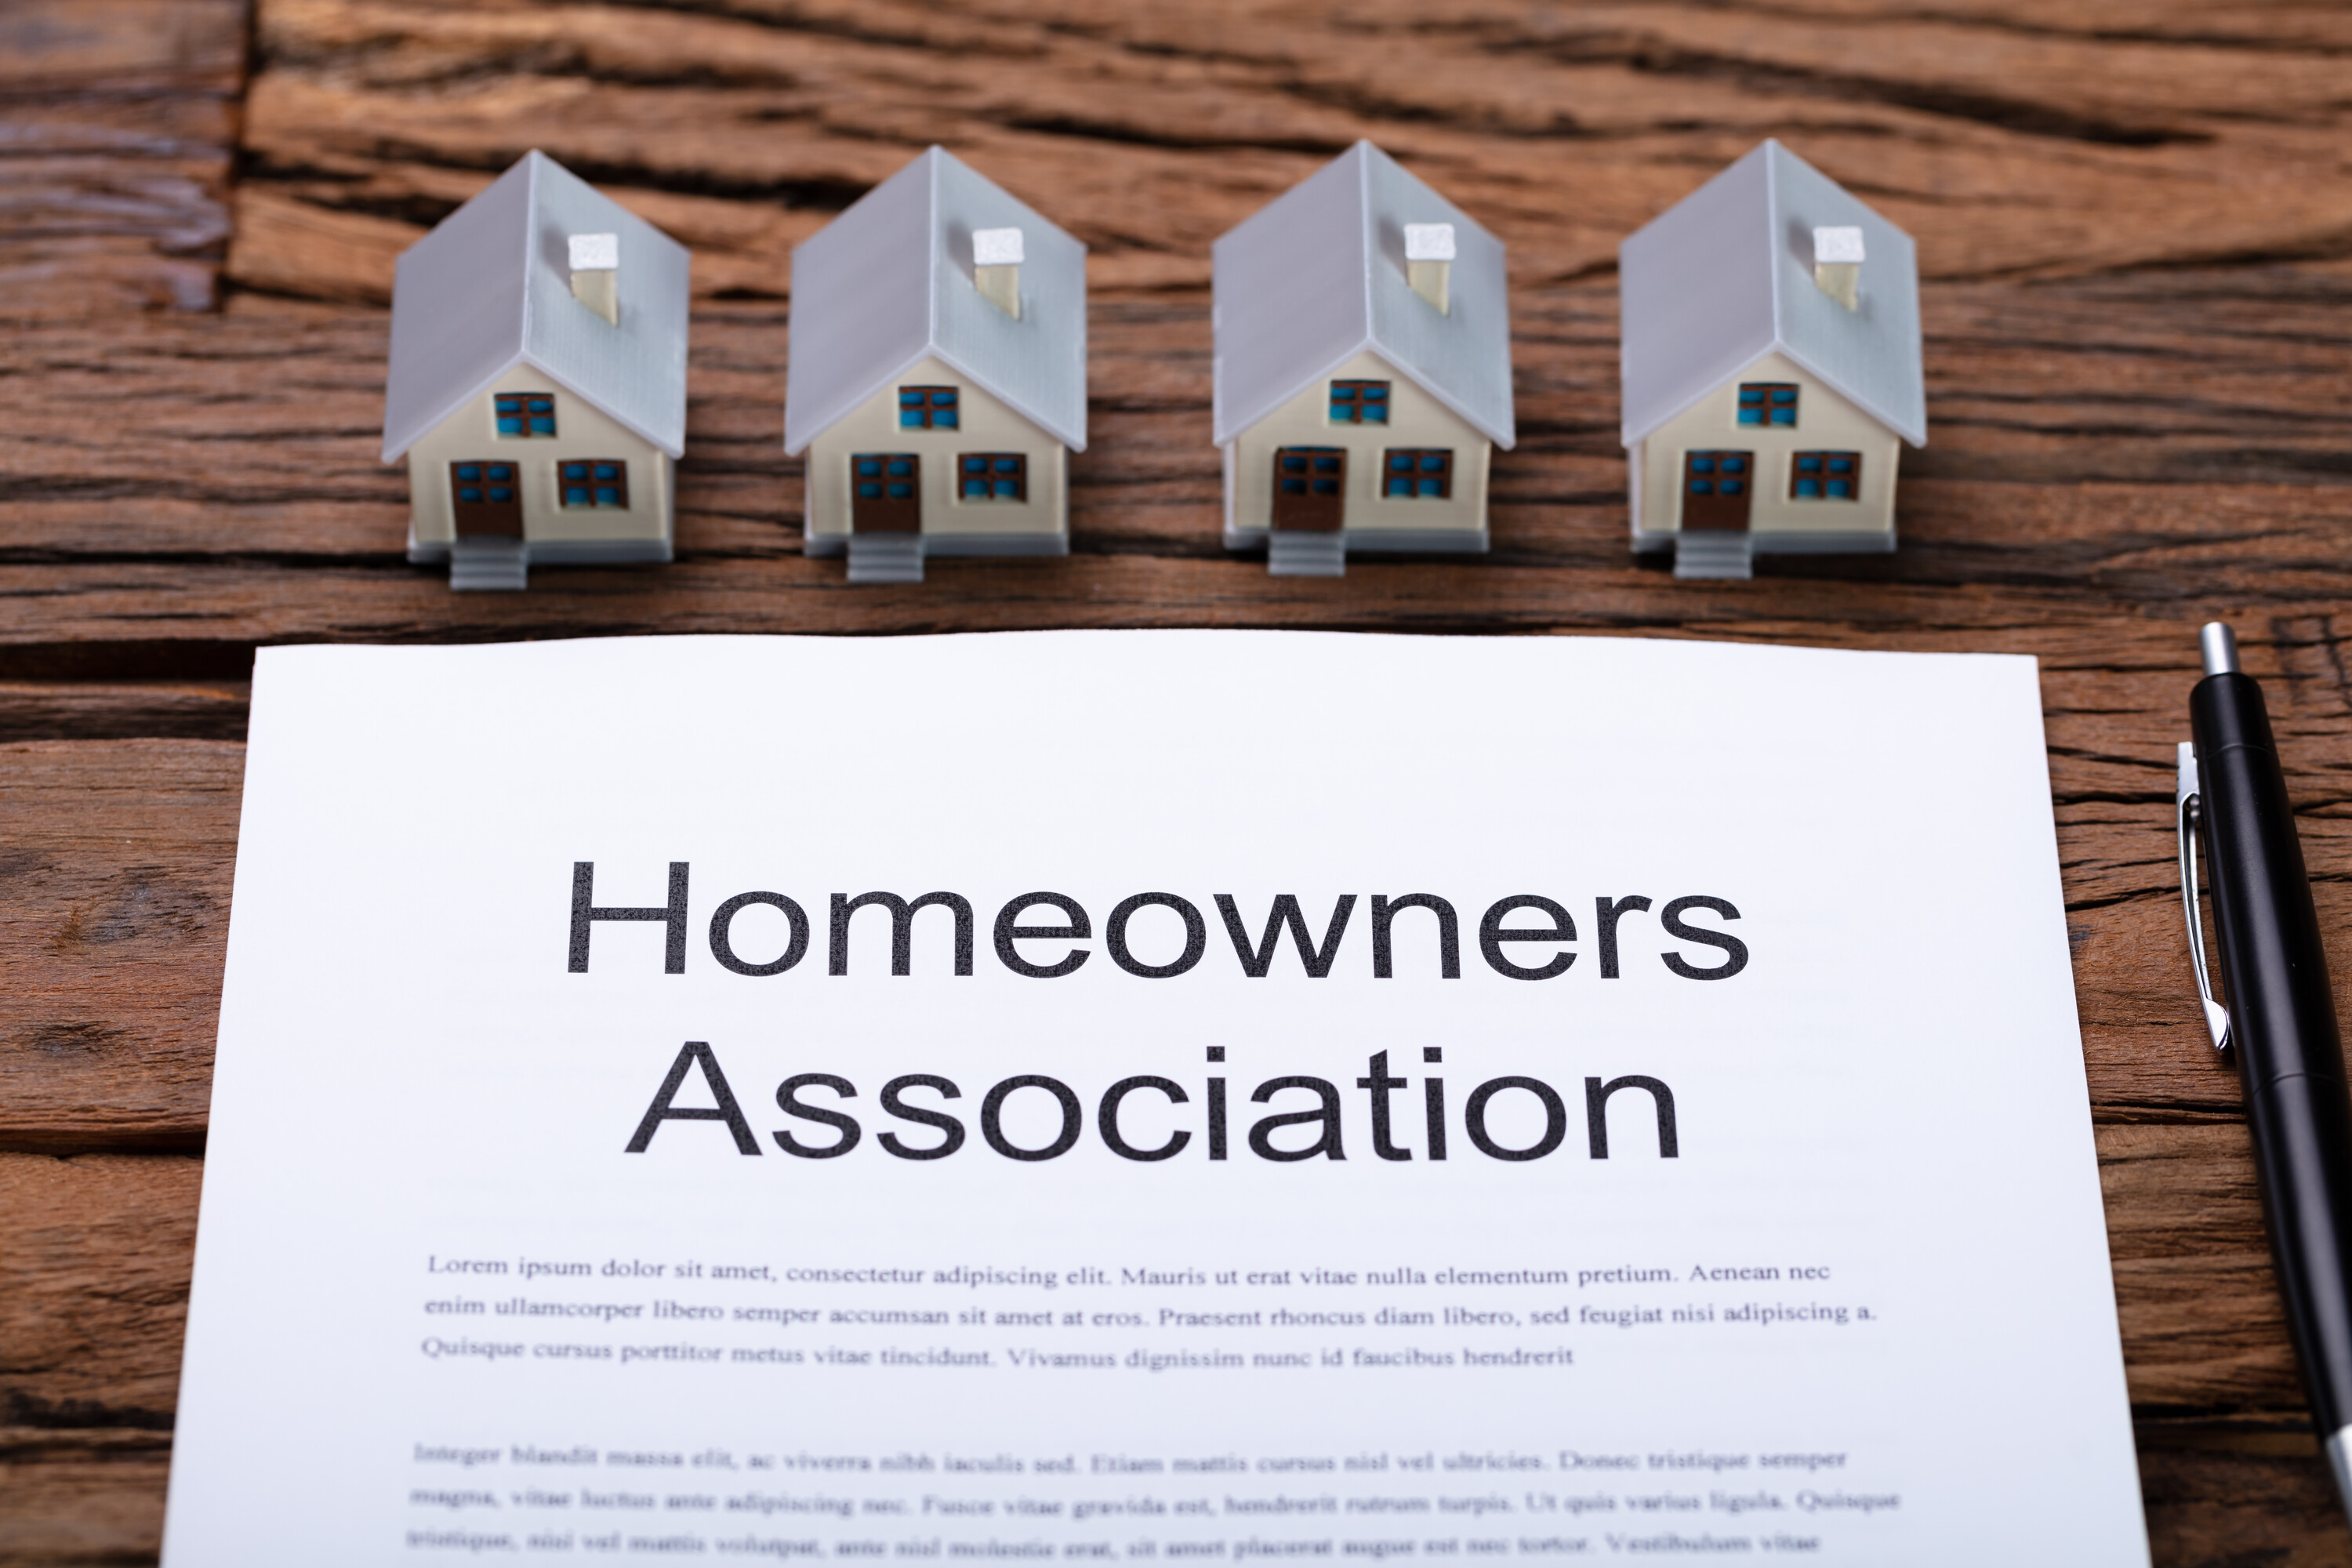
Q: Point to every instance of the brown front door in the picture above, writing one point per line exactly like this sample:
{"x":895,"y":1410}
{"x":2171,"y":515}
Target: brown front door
{"x":1310,"y":484}
{"x":1717,"y":488}
{"x":886,"y":493}
{"x":487,"y":498}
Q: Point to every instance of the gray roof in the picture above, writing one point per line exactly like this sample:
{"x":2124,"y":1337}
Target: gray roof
{"x":490,"y":288}
{"x":1317,"y":276}
{"x":1726,"y":275}
{"x":889,"y":282}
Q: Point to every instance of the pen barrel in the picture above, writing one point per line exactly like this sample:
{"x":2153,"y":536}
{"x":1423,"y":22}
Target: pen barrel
{"x":2283,"y":1027}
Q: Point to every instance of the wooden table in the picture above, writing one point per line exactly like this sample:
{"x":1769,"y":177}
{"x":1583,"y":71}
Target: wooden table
{"x":2134,"y":217}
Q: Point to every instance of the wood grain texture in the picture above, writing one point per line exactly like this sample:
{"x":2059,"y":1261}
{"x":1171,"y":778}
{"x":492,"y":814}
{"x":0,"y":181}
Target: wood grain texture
{"x":2136,"y":228}
{"x":2007,"y":145}
{"x":94,"y":1261}
{"x":2232,"y":1508}
{"x":116,"y":710}
{"x":113,"y":922}
{"x":117,"y":119}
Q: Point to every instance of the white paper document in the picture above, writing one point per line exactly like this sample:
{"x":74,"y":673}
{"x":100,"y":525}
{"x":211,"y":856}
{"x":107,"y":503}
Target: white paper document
{"x":1200,"y":1098}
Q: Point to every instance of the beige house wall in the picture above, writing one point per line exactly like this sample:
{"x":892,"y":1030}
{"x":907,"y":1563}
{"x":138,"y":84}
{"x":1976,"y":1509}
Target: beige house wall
{"x":1825,"y":422}
{"x":985,"y":425}
{"x":1415,"y":419}
{"x":582,"y":431}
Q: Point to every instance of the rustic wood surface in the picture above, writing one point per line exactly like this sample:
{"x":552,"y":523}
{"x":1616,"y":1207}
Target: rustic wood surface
{"x":2134,"y":215}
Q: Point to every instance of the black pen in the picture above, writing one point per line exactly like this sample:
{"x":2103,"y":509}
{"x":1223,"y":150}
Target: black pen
{"x":2281,"y":1018}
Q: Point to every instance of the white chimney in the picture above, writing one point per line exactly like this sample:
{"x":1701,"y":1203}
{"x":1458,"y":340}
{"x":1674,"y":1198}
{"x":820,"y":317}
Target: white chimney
{"x":596,"y":273}
{"x":996,"y":267}
{"x":1429,"y":262}
{"x":1837,"y":265}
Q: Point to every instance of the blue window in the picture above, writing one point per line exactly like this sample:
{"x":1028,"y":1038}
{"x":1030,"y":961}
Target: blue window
{"x":993,"y":476}
{"x":1768,"y":402}
{"x":595,"y":481}
{"x":1825,"y":476}
{"x":928,"y":408}
{"x":524,"y":413}
{"x":1417,"y":473}
{"x":1359,"y":403}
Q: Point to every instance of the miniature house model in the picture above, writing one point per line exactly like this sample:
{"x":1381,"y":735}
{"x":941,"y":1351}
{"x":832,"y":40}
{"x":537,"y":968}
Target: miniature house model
{"x":538,"y":381}
{"x":939,"y":375}
{"x":1772,"y":369}
{"x":1363,"y":369}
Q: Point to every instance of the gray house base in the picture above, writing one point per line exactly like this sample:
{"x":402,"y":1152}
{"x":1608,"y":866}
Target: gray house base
{"x":1293,"y":553}
{"x":505,"y":563}
{"x":1720,"y":553}
{"x":900,"y":557}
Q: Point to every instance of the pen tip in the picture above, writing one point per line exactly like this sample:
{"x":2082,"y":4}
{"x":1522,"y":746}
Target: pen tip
{"x":2219,"y":647}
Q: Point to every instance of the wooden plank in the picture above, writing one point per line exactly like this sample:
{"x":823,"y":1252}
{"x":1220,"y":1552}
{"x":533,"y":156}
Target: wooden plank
{"x":117,"y":119}
{"x":127,"y":45}
{"x":123,"y":710}
{"x":79,"y":1496}
{"x":103,"y":1359}
{"x":95,"y":1253}
{"x":2116,"y":455}
{"x":114,"y":886}
{"x":2258,"y":26}
{"x":2130,"y":145}
{"x":2229,"y":1508}
{"x":152,"y":618}
{"x":2204,"y":1331}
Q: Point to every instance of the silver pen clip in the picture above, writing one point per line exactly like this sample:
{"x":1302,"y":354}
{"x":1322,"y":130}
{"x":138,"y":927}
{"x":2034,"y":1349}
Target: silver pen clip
{"x":2185,"y":803}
